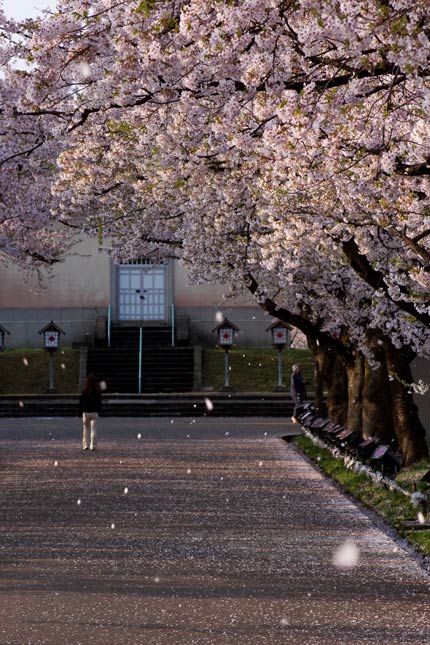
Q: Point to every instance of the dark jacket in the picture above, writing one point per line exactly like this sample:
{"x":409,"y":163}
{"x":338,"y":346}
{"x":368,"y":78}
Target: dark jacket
{"x":298,"y":391}
{"x":91,"y":402}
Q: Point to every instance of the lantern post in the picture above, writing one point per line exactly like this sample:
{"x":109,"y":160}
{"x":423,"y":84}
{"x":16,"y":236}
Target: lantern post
{"x":279,"y":332}
{"x":3,"y":331}
{"x":227,"y":331}
{"x":51,"y":342}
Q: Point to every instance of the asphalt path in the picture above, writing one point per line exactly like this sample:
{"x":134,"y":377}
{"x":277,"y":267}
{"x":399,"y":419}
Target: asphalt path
{"x":206,"y":531}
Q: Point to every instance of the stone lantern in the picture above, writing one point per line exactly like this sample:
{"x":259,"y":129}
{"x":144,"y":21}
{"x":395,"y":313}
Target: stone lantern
{"x":3,"y":331}
{"x":227,"y":332}
{"x":280,"y":337}
{"x":51,"y":342}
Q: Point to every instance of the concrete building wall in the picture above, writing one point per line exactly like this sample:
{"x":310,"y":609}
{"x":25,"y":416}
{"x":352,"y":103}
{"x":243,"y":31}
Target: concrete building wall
{"x":203,"y":295}
{"x":24,"y":324}
{"x":72,"y":295}
{"x":204,"y":306}
{"x":86,"y":279}
{"x":82,"y":288}
{"x":81,"y":281}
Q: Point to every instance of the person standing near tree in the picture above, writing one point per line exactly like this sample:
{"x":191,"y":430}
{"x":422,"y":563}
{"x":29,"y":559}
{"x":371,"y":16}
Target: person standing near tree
{"x":90,"y":404}
{"x":298,"y":390}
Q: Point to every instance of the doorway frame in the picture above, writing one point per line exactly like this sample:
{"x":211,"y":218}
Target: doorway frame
{"x":114,"y":281}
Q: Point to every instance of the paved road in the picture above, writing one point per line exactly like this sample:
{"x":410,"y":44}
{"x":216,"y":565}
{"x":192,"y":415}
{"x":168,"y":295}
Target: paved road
{"x":181,"y":531}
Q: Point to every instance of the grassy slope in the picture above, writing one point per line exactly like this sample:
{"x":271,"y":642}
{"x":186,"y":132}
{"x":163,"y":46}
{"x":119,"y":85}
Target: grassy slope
{"x":253,"y":369}
{"x":18,"y":378}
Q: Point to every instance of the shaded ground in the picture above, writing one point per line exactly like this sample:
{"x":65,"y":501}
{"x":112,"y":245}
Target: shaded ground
{"x":206,"y":532}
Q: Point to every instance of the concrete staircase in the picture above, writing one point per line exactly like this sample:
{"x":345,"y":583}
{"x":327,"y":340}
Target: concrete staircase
{"x":128,"y":337}
{"x":134,"y":405}
{"x":164,"y":369}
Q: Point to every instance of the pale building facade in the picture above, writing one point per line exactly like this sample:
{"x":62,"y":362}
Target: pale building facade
{"x":88,"y":289}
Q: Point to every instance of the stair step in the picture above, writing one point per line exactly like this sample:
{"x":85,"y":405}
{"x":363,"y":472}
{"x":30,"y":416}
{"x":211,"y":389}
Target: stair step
{"x":163,"y":369}
{"x":189,"y":405}
{"x":123,"y":337}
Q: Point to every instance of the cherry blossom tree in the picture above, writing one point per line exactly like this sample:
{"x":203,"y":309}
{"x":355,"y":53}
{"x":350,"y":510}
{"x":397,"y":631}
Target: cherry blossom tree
{"x":29,"y":233}
{"x":279,"y":145}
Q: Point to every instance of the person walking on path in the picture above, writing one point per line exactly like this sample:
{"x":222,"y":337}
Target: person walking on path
{"x":90,"y":404}
{"x":298,"y":390}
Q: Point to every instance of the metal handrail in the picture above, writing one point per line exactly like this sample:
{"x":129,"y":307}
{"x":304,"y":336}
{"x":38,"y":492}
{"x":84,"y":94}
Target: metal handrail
{"x":140,"y":359}
{"x":109,"y":324}
{"x":173,"y":325}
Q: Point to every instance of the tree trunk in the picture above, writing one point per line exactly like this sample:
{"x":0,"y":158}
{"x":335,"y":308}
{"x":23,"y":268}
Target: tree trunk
{"x":355,"y":376}
{"x":337,"y":392}
{"x":411,"y":435}
{"x":323,"y":362}
{"x":330,"y":376}
{"x":377,"y":420}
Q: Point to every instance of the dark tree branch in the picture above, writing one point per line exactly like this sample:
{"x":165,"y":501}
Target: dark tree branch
{"x":40,"y":258}
{"x":376,"y":279}
{"x":412,"y":170}
{"x":300,"y":322}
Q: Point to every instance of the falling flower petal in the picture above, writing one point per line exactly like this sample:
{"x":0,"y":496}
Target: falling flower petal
{"x":346,"y":556}
{"x":85,"y":70}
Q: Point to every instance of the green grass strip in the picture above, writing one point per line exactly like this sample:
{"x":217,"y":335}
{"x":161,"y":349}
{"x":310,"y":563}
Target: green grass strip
{"x":26,"y":371}
{"x":254,"y":369}
{"x":394,"y":507}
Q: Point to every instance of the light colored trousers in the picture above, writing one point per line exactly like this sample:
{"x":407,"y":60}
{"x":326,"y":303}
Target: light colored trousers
{"x":89,"y":420}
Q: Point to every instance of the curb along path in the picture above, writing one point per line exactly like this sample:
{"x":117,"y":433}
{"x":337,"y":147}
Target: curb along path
{"x":198,"y":531}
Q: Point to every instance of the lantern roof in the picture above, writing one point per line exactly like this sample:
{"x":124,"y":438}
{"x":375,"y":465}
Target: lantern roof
{"x":51,"y":327}
{"x":278,"y":323}
{"x":226,"y":323}
{"x":4,"y":330}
